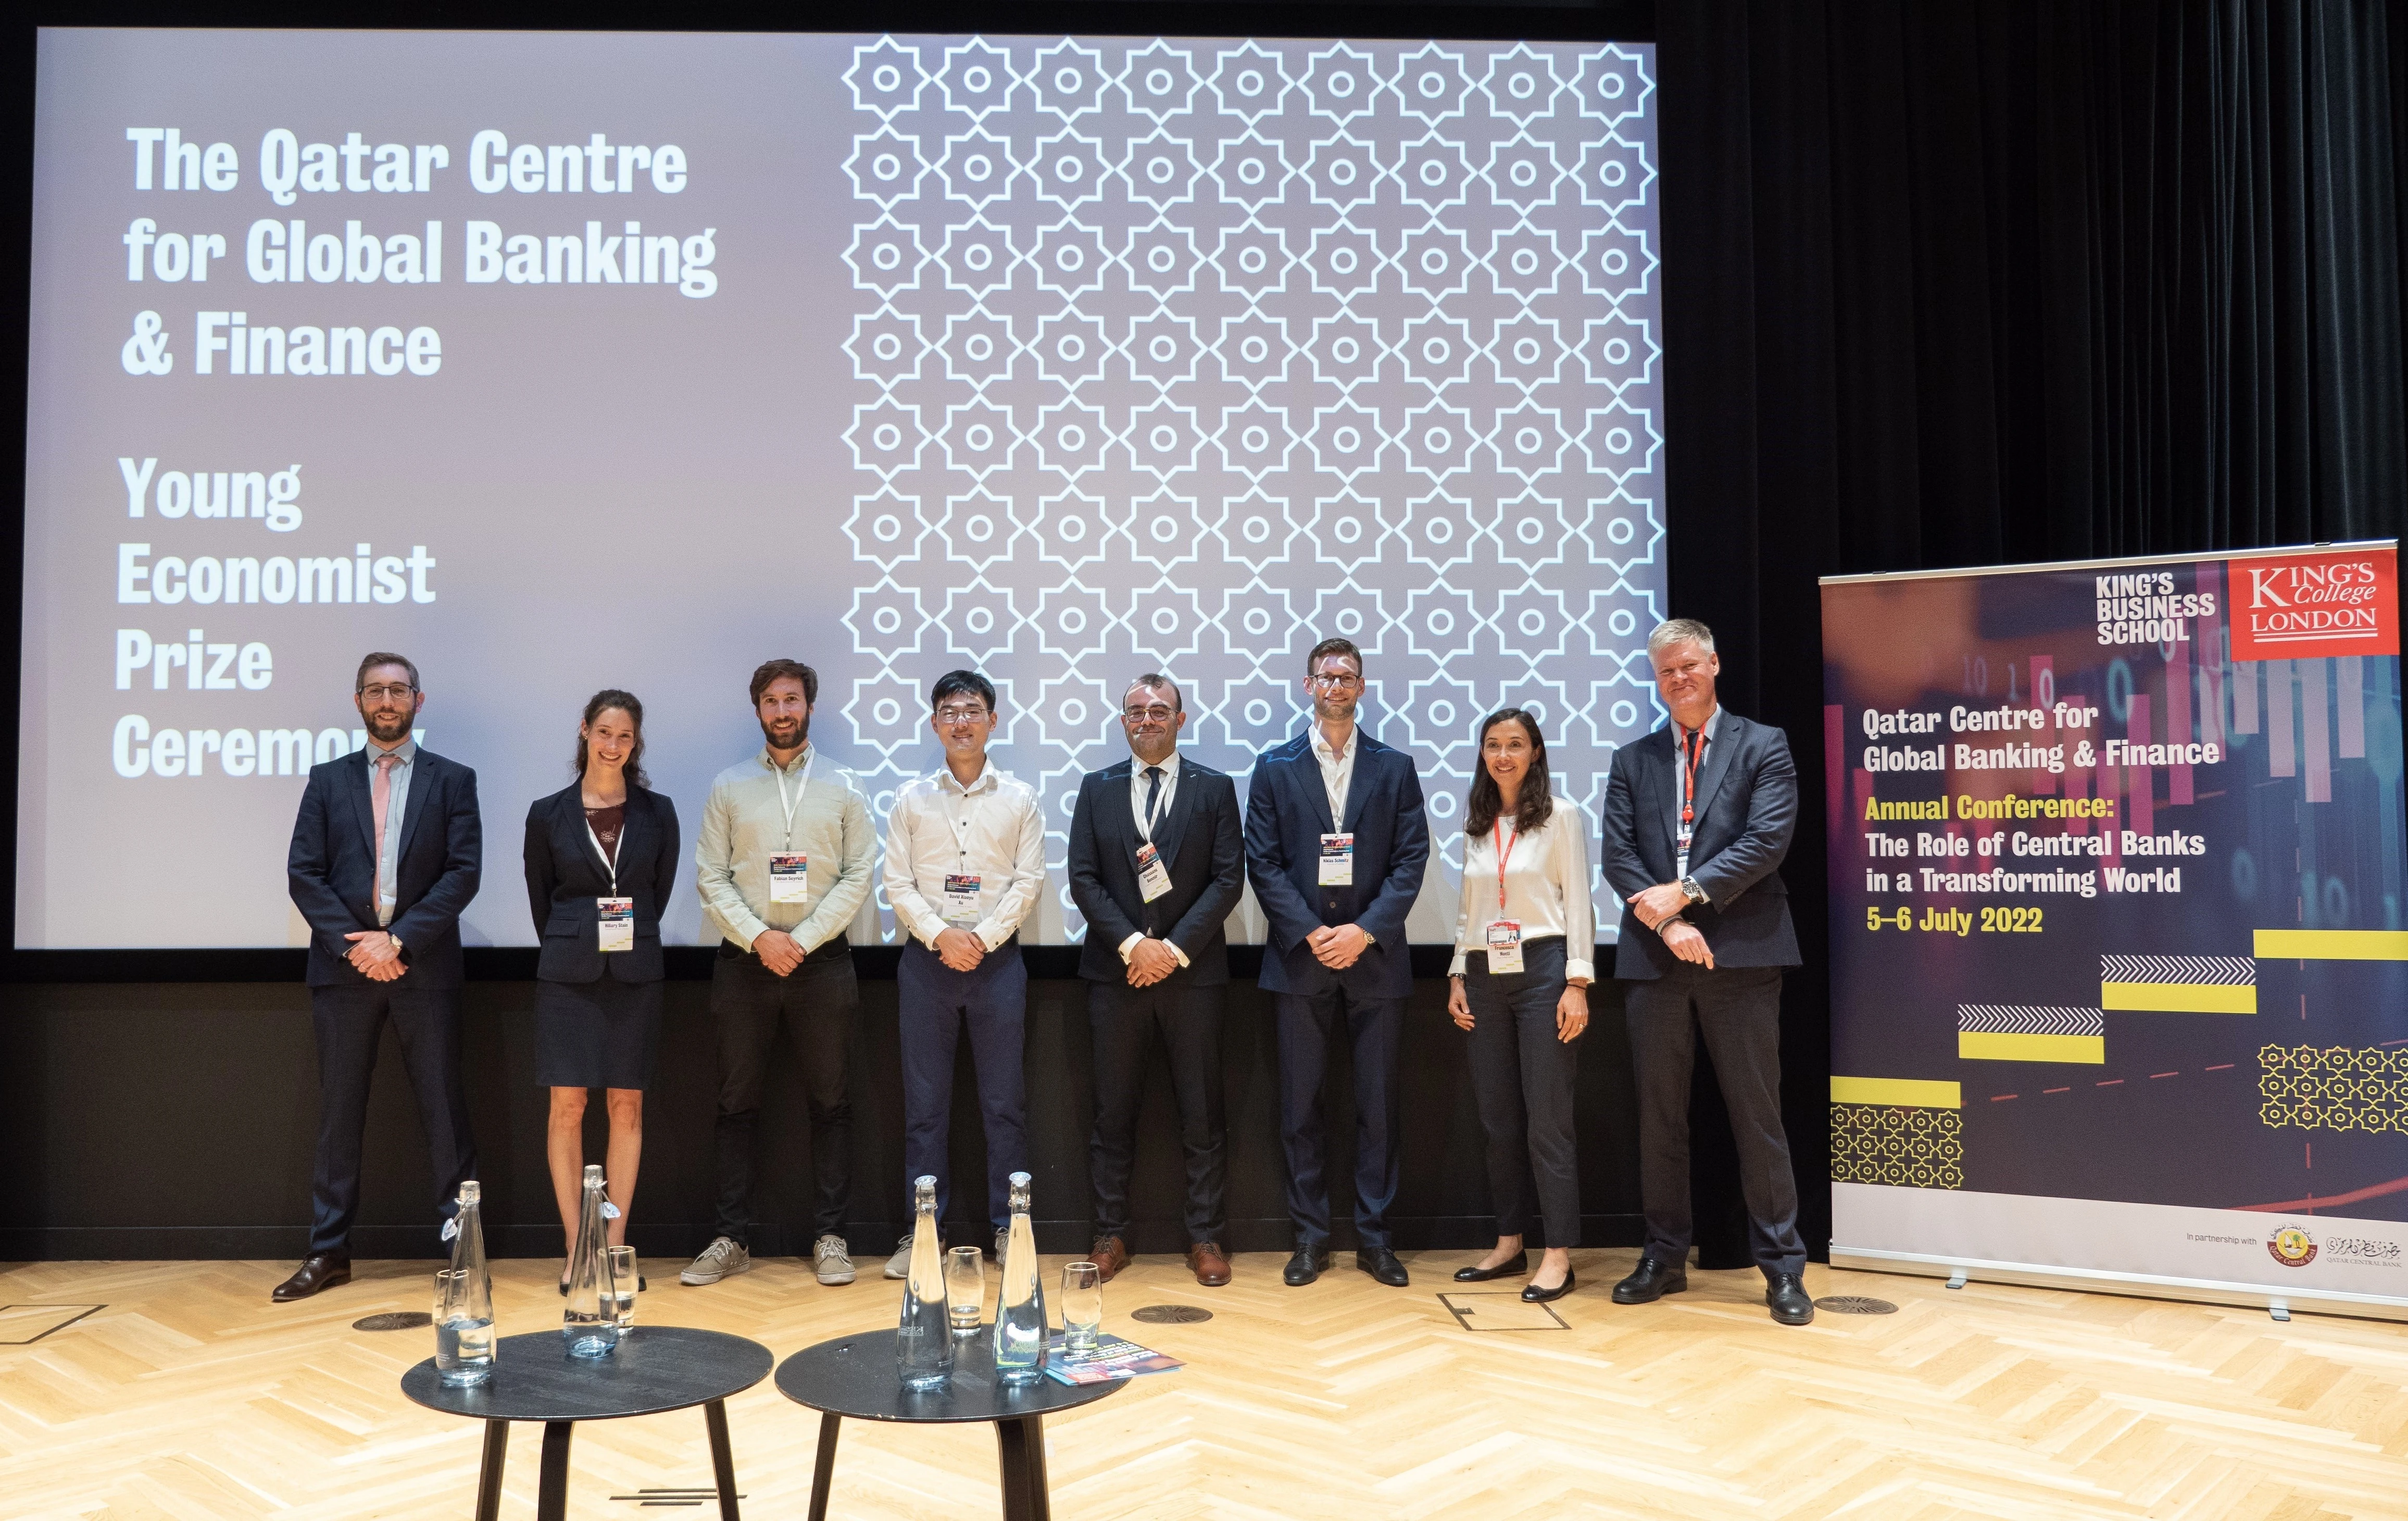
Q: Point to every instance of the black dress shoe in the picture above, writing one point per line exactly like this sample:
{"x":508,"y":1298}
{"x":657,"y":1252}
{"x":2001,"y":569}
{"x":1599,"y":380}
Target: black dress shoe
{"x":1533,"y":1294}
{"x":1307,"y":1265}
{"x":1790,"y":1303}
{"x":1512,"y":1266}
{"x":1382,"y":1264}
{"x":1650,"y":1281}
{"x":325,"y":1271}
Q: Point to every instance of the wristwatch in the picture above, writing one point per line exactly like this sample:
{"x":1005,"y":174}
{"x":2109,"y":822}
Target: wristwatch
{"x":1690,"y":890}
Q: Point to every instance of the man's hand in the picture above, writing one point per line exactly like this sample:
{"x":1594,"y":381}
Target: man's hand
{"x":1458,"y":1003}
{"x":1658,"y":903}
{"x":1150,"y":961}
{"x":959,"y":949}
{"x":1689,"y":943}
{"x":778,"y":951}
{"x":376,"y":954}
{"x":1337,"y":947}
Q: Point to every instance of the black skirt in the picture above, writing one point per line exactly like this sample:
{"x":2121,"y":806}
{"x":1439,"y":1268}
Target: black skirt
{"x":602,"y":1034}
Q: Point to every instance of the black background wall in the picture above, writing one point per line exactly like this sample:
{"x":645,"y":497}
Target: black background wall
{"x":1945,"y":285}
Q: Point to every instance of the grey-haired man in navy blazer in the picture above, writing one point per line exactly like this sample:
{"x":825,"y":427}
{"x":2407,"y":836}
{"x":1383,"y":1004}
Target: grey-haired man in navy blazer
{"x":386,"y":853}
{"x":1336,"y":841}
{"x":1698,"y":818}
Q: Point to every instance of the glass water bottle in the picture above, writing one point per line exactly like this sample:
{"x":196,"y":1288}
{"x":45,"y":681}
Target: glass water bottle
{"x":924,"y":1342}
{"x":587,"y":1323}
{"x":1020,"y":1328}
{"x":463,"y":1308}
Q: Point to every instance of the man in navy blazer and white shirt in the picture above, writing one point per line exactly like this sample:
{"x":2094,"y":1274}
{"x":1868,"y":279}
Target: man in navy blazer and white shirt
{"x":1336,"y":841}
{"x":386,"y":853}
{"x":1698,"y":819}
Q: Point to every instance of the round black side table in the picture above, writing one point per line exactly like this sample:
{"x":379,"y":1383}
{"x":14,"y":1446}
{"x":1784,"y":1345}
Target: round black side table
{"x":656,"y":1368}
{"x":855,"y":1376}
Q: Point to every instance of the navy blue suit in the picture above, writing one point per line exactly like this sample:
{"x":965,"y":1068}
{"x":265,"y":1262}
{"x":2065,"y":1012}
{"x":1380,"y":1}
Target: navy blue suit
{"x":1287,"y":811}
{"x":331,"y":870}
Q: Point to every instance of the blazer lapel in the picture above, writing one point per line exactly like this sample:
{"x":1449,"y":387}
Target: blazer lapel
{"x":1663,"y":796}
{"x":1715,"y":765}
{"x":420,"y":784}
{"x":1306,"y":769}
{"x":1174,"y":823}
{"x":634,"y":825}
{"x":363,"y":803}
{"x":1359,"y":780}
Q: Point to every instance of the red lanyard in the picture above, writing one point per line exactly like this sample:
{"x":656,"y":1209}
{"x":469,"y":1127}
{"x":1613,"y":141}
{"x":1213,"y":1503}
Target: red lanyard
{"x":1692,"y":747}
{"x":1504,"y":849}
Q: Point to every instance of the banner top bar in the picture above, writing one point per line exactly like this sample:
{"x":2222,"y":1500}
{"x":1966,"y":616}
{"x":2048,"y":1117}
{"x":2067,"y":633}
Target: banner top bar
{"x":2335,"y":547}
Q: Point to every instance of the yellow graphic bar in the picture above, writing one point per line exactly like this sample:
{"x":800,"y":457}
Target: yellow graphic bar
{"x":2180,"y":997}
{"x":2001,"y":1046}
{"x":2333,"y":945}
{"x":1898,"y":1092}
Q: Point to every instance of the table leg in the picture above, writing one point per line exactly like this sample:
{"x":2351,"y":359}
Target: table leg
{"x":1020,"y":1445}
{"x":489,"y":1477}
{"x":552,"y":1492}
{"x":823,"y":1471}
{"x":723,"y":1457}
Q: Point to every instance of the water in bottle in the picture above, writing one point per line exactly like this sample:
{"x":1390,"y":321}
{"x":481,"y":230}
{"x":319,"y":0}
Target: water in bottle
{"x":923,"y":1343}
{"x":588,"y":1324}
{"x":463,"y":1300}
{"x":1020,"y":1328}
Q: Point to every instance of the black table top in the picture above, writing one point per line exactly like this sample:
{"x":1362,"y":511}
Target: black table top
{"x":855,"y":1375}
{"x":656,"y":1368}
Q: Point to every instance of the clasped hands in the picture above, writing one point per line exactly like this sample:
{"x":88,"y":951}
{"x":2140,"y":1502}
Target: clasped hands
{"x":1658,"y":908}
{"x":376,"y":954}
{"x":959,"y":947}
{"x":1338,"y":946}
{"x":1150,"y":960}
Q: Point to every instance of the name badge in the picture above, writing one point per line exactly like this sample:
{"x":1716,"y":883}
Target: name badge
{"x":1504,"y":946}
{"x":790,"y":879}
{"x":1338,"y":860}
{"x":1151,"y":880}
{"x":961,"y":899}
{"x":616,"y":917}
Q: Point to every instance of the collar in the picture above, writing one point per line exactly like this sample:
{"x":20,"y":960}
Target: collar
{"x":769,"y":762}
{"x":1321,"y":742}
{"x":1714,"y":722}
{"x":988,"y":779}
{"x":1169,"y":767}
{"x":406,"y":750}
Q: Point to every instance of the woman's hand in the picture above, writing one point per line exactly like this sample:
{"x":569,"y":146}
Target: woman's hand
{"x":1458,"y":1003}
{"x":1571,"y":1013}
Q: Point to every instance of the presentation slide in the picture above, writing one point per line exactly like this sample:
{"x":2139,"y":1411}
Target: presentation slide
{"x":559,"y":361}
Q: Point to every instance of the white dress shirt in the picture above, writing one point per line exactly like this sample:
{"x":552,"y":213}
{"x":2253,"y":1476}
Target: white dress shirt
{"x":396,"y":806}
{"x":1680,"y":769}
{"x":1139,"y":784}
{"x":1546,"y":889}
{"x":1337,"y":771}
{"x":990,"y":829}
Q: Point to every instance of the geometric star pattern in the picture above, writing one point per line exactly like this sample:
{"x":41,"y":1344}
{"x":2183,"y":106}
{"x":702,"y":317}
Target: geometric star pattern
{"x":1178,"y":354}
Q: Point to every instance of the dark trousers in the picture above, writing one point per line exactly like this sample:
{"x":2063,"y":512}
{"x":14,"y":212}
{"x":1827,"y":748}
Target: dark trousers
{"x":1522,"y":1077}
{"x":1375,"y":1028}
{"x":1123,"y":1020}
{"x":350,"y":1020}
{"x":815,"y":1003}
{"x":1739,"y":1008}
{"x":936,"y":1005}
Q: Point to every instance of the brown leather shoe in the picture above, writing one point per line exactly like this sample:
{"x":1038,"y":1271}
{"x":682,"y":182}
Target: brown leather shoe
{"x":1109,"y":1255}
{"x":325,"y":1271}
{"x":1210,"y":1263}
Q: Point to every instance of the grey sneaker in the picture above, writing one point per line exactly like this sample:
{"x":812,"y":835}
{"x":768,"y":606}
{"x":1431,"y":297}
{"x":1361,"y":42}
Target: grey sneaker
{"x":899,"y":1265}
{"x":833,"y":1259}
{"x":724,"y":1257}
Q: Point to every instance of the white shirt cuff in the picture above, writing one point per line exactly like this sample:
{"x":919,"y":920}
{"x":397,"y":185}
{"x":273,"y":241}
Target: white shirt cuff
{"x":1127,"y":945}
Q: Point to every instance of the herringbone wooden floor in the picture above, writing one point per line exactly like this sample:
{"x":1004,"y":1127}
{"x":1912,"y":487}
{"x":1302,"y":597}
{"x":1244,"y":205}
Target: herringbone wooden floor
{"x":190,"y":1396}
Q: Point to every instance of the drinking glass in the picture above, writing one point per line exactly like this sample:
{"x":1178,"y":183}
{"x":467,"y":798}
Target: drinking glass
{"x":622,"y":1285}
{"x":1082,"y":1307}
{"x":966,"y":1288}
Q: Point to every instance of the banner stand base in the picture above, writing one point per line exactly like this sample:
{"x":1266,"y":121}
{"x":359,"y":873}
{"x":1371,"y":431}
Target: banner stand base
{"x":2281,"y":1306}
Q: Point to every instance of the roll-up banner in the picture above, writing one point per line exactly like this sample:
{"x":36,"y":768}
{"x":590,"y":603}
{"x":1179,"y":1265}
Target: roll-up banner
{"x":2119,"y":972}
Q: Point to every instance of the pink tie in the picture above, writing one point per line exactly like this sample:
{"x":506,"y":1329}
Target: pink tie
{"x":380,"y":795}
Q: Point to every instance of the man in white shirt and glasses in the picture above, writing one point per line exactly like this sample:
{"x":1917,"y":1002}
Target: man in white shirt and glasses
{"x":965,"y":863}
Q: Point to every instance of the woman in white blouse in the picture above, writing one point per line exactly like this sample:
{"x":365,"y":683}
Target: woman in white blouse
{"x":1523,"y":948}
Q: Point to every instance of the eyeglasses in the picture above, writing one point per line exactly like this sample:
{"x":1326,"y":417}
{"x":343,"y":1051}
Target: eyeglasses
{"x":1155,"y":715}
{"x":1335,"y":681}
{"x":378,"y":694}
{"x":961,"y":715}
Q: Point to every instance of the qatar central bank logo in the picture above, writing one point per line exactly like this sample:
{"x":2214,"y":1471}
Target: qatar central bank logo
{"x":2292,"y":1246}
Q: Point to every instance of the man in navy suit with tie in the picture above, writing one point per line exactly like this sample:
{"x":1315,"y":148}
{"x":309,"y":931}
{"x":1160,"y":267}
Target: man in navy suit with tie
{"x":1698,"y":818}
{"x":386,"y":854}
{"x":1336,"y":841}
{"x":1156,"y":867}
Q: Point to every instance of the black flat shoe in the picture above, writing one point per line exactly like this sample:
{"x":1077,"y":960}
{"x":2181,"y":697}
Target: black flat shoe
{"x":1533,"y":1294}
{"x":1513,"y":1267}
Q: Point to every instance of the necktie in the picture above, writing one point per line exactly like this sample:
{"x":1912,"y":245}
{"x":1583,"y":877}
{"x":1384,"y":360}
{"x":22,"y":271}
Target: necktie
{"x":380,"y":795}
{"x":1153,"y":798}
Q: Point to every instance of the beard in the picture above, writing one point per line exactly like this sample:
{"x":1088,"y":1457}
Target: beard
{"x":387,"y":728}
{"x":802,"y":734}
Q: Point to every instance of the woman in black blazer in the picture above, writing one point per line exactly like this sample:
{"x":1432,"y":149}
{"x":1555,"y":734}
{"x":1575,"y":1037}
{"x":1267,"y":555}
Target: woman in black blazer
{"x":597,"y":1005}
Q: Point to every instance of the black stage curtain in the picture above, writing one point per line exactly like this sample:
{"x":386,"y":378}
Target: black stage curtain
{"x":1961,"y":284}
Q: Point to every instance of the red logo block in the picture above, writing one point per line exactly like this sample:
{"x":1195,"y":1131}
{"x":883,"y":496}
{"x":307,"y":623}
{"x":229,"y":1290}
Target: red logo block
{"x":2308,"y":606}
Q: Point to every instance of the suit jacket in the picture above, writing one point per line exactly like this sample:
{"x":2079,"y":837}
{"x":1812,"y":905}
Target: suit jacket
{"x":1199,"y":843}
{"x":1287,"y":811}
{"x":564,"y":874}
{"x":331,"y":868}
{"x":1746,"y":812}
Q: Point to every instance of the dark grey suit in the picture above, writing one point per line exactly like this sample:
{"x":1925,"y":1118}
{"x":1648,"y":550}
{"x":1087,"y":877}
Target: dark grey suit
{"x":1746,"y":811}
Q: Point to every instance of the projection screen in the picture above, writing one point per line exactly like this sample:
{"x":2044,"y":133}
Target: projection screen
{"x":558,"y":362}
